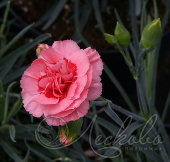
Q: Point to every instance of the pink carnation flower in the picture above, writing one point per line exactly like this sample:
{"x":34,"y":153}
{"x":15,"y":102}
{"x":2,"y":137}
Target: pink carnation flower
{"x":61,"y":82}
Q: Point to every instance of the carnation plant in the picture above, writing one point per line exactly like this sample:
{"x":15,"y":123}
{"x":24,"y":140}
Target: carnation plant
{"x":62,"y":89}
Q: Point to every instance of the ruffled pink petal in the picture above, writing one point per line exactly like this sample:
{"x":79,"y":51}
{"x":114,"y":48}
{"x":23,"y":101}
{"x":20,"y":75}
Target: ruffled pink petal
{"x":66,"y":47}
{"x":56,"y":108}
{"x":95,"y":61}
{"x":55,"y":120}
{"x":27,"y":98}
{"x":81,"y":60}
{"x":42,"y":99}
{"x":95,"y":91}
{"x":71,"y":90}
{"x":80,"y":85}
{"x":51,"y":56}
{"x":35,"y":109}
{"x":89,"y":77}
{"x":64,"y":113}
{"x":79,"y":112}
{"x":37,"y":69}
{"x":78,"y":101}
{"x":29,"y":84}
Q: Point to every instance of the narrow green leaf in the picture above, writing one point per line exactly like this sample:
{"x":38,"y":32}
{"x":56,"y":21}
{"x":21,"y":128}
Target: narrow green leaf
{"x":166,"y":108}
{"x":4,"y":19}
{"x":86,"y":10}
{"x":45,"y":17}
{"x":112,"y":114}
{"x":163,"y":133}
{"x":4,"y":3}
{"x":2,"y":101}
{"x":80,"y":152}
{"x":7,"y":103}
{"x":133,"y":16}
{"x":11,"y":129}
{"x":127,"y":113}
{"x":76,"y":19}
{"x":98,"y":15}
{"x":118,"y":16}
{"x":119,"y":87}
{"x":117,"y":143}
{"x":26,"y":127}
{"x":17,"y":37}
{"x":58,"y":7}
{"x":106,"y":124}
{"x":7,"y":63}
{"x":27,"y":156}
{"x":15,"y":108}
{"x":14,"y":75}
{"x":57,"y":153}
{"x":38,"y":153}
{"x":155,"y":10}
{"x":9,"y":151}
{"x":138,"y":157}
{"x":153,"y":155}
{"x":138,"y":7}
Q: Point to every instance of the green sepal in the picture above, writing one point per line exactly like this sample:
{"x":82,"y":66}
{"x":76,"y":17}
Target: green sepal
{"x":69,"y":132}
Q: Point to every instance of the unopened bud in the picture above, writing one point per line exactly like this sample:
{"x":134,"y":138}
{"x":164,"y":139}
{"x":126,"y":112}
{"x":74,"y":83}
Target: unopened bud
{"x":110,"y":38}
{"x":151,"y":34}
{"x":122,"y":35}
{"x":69,"y":132}
{"x":40,"y":48}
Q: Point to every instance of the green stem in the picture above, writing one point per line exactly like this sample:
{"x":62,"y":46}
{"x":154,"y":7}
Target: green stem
{"x":167,"y":105}
{"x":4,"y":19}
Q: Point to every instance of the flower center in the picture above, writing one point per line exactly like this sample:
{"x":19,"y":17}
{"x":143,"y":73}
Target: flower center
{"x":57,"y":79}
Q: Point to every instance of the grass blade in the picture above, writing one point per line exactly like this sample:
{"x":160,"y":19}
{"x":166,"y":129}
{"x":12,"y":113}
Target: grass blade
{"x":7,"y":103}
{"x":112,"y":114}
{"x":98,"y":15}
{"x":76,"y":19}
{"x":9,"y":151}
{"x":38,"y":153}
{"x":86,"y":10}
{"x":7,"y":63}
{"x":15,"y":108}
{"x":17,"y":37}
{"x":118,"y":17}
{"x":128,"y":113}
{"x":112,"y":128}
{"x":128,"y":131}
{"x":155,"y":10}
{"x":45,"y":17}
{"x":14,"y":75}
{"x":11,"y":129}
{"x":2,"y":103}
{"x":166,"y":108}
{"x":4,"y":19}
{"x":58,"y":7}
{"x":138,"y":7}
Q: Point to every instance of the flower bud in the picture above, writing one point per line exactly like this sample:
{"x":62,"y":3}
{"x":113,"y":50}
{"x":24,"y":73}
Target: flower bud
{"x":151,"y":34}
{"x":122,"y":35}
{"x":40,"y":48}
{"x":69,"y":132}
{"x":110,"y":38}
